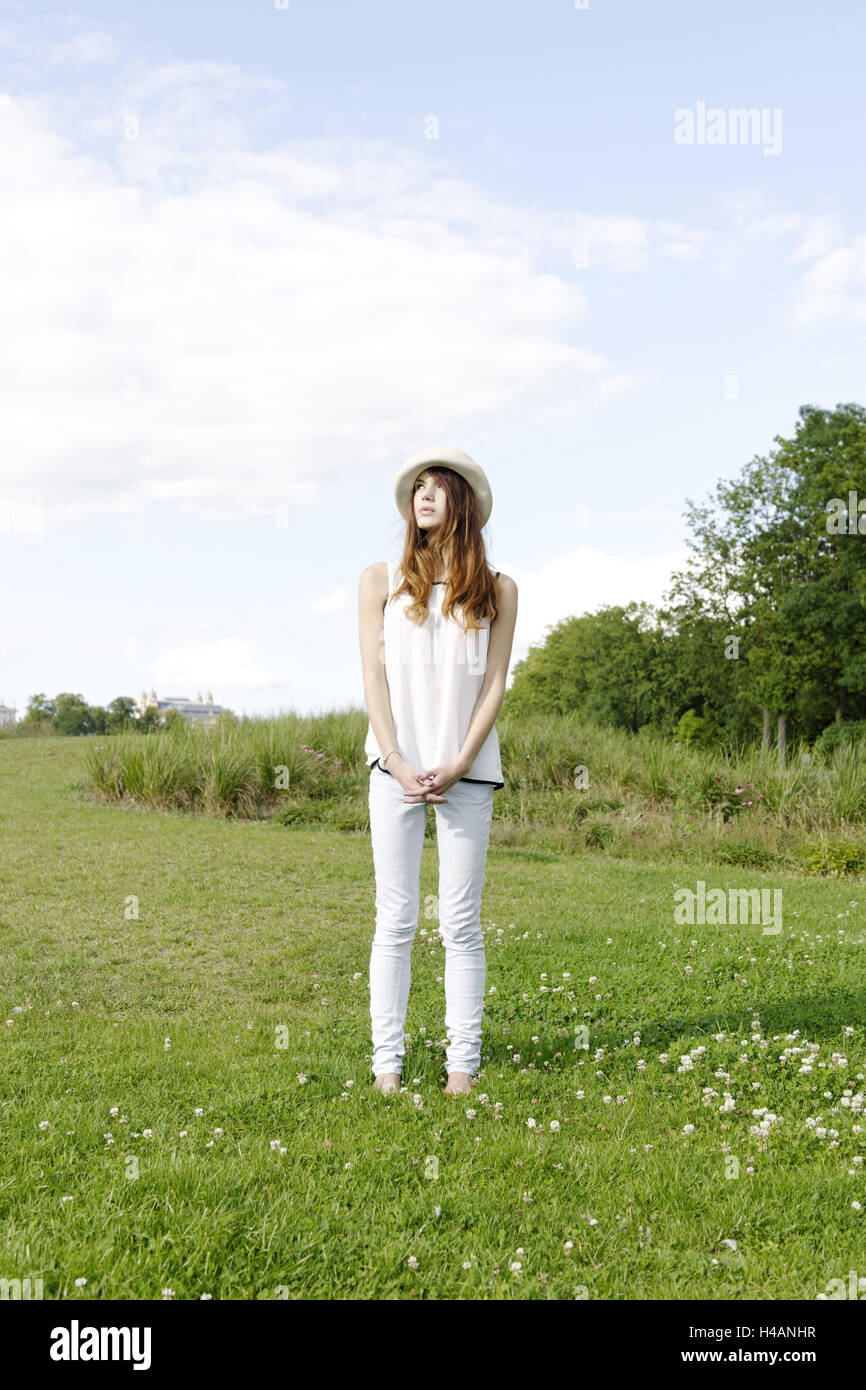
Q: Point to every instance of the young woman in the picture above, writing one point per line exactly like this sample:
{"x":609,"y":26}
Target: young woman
{"x":436,"y":631}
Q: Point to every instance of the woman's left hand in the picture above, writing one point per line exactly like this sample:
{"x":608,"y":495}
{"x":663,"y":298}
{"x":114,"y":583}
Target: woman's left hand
{"x":433,"y":782}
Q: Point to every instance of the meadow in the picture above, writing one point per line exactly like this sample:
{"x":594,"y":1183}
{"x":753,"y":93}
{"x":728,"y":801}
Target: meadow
{"x":663,"y":1111}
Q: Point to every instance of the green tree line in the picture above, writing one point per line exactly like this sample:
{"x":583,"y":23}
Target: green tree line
{"x":70,"y":713}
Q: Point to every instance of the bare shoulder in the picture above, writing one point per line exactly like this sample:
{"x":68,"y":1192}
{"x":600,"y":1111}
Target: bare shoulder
{"x":373,"y":583}
{"x":507,"y":586}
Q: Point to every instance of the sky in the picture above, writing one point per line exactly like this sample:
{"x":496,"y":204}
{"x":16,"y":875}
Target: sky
{"x":255,"y":255}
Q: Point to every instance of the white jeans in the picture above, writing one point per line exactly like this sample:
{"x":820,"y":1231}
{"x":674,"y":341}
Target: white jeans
{"x":397,"y":834}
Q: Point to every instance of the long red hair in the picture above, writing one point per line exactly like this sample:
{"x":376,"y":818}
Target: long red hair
{"x":455,"y":546}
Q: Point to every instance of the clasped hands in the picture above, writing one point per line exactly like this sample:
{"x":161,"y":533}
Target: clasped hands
{"x":427,"y":784}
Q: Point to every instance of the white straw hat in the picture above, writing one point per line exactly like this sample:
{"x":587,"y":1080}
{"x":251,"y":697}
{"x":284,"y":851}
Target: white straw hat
{"x":448,"y":457}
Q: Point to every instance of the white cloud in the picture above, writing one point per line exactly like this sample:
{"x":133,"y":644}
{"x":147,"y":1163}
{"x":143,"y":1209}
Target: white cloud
{"x":581,"y":581}
{"x":819,"y":236}
{"x":834,"y":288}
{"x":197,"y":322}
{"x":681,"y":243}
{"x":88,"y":49}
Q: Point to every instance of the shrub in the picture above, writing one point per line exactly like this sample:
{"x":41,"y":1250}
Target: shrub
{"x":833,"y":858}
{"x":839,"y":733}
{"x":693,"y":728}
{"x":746,"y":856}
{"x":346,"y":816}
{"x":599,"y":834}
{"x":296,"y":814}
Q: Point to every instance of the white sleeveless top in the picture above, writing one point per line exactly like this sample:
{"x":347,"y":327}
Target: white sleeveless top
{"x":435,"y":672}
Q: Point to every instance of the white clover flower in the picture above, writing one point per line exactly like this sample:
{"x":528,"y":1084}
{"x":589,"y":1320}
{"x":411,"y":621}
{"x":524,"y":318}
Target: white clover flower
{"x":554,"y":1126}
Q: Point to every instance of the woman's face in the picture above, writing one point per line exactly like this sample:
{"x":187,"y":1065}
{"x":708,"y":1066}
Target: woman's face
{"x":429,"y":501}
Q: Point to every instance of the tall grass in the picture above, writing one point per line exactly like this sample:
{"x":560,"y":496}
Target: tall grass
{"x":644,"y":794}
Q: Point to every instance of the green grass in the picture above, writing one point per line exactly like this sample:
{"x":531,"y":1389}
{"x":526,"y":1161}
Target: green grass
{"x":249,"y":951}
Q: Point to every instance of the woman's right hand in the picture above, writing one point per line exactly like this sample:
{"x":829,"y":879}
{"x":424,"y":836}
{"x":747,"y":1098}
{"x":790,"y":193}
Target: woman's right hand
{"x":409,"y":778}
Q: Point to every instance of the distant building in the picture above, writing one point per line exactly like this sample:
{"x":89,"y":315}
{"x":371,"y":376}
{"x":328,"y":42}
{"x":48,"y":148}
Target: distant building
{"x":7,"y":714}
{"x":198,"y":711}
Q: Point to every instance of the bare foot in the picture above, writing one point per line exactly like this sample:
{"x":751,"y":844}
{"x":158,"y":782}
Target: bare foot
{"x":387,"y":1082}
{"x":459,"y":1083}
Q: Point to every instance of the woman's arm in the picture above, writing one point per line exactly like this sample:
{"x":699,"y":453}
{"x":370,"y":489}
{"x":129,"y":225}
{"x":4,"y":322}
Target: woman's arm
{"x":492,"y":691}
{"x":372,"y":597}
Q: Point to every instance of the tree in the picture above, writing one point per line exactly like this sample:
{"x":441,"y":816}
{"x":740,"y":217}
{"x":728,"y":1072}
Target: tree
{"x":121,"y":714}
{"x":40,"y":710}
{"x":148,"y":721}
{"x":600,"y":665}
{"x":762,"y":561}
{"x":73,"y":714}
